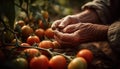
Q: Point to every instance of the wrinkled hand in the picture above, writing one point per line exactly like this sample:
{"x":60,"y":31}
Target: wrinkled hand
{"x":74,"y":34}
{"x":70,"y":19}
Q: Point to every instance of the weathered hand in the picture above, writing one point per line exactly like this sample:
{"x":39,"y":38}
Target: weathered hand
{"x":70,"y":19}
{"x":74,"y":34}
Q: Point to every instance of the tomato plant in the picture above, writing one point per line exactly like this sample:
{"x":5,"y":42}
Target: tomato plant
{"x":40,"y":62}
{"x":85,"y":53}
{"x":58,"y":62}
{"x":33,"y":39}
{"x":78,"y":63}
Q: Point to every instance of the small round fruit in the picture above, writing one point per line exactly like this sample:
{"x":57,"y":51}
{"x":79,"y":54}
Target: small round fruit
{"x":49,"y":33}
{"x":30,"y":53}
{"x":45,"y":14}
{"x":20,"y":23}
{"x":85,"y":53}
{"x":33,"y":39}
{"x":25,"y":44}
{"x":56,"y":44}
{"x":58,"y":62}
{"x":40,"y":62}
{"x":19,"y":63}
{"x":78,"y":63}
{"x":46,"y":44}
{"x":39,"y":32}
{"x":26,"y":30}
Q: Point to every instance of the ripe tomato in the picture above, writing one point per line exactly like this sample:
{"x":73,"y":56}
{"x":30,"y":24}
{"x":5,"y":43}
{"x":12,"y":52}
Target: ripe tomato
{"x":39,"y":32}
{"x":58,"y":62}
{"x":25,"y":44}
{"x":40,"y":62}
{"x":33,"y":39}
{"x":46,"y":44}
{"x":26,"y":31}
{"x":19,"y":63}
{"x":23,"y":48}
{"x":78,"y":63}
{"x":20,"y":23}
{"x":56,"y":44}
{"x":85,"y":53}
{"x":30,"y":53}
{"x":49,"y":33}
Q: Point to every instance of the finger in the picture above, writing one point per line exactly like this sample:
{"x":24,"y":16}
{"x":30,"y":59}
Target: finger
{"x":62,"y":43}
{"x":63,"y":36}
{"x":55,"y":24}
{"x":65,"y":22}
{"x":71,"y":28}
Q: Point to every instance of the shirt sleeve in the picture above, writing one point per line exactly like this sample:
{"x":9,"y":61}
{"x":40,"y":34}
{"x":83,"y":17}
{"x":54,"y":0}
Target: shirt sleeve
{"x":114,"y":36}
{"x":102,"y":9}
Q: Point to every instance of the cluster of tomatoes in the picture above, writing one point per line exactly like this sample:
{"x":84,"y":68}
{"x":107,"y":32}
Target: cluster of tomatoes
{"x":32,"y":49}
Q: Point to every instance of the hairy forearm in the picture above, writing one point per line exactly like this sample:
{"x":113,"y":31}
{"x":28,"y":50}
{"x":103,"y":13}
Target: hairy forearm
{"x":88,"y":15}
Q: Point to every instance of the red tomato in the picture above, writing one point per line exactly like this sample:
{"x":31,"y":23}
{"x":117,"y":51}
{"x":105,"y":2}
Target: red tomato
{"x":23,"y":48}
{"x":40,"y":62}
{"x":49,"y":33}
{"x":30,"y":53}
{"x":78,"y":63}
{"x":46,"y":44}
{"x":20,"y":23}
{"x":33,"y":39}
{"x":85,"y":53}
{"x":25,"y":44}
{"x":26,"y":31}
{"x":58,"y":62}
{"x":39,"y":32}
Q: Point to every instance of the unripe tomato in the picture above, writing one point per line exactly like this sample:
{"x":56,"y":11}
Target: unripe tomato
{"x":45,"y":14}
{"x":85,"y":53}
{"x":19,"y":63}
{"x":40,"y":62}
{"x":49,"y":33}
{"x":33,"y":39}
{"x":78,"y":63}
{"x":58,"y":62}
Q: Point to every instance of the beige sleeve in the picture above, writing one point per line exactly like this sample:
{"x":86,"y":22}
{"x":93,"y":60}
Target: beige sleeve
{"x":101,"y":7}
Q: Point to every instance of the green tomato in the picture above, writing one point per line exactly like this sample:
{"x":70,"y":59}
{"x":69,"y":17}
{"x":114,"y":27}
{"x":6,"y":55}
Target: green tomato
{"x":19,"y":63}
{"x":78,"y":63}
